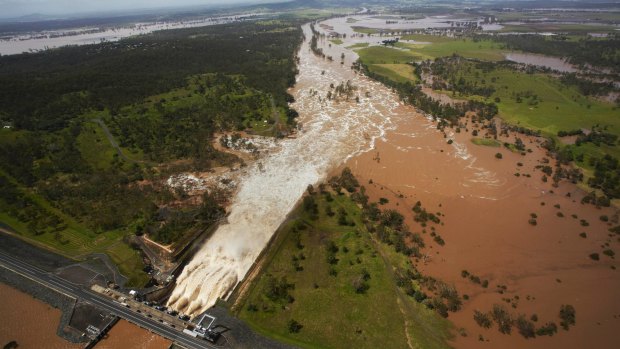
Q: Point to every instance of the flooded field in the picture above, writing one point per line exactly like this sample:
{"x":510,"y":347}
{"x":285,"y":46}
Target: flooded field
{"x":84,"y":36}
{"x":485,"y":210}
{"x":126,"y":335}
{"x":344,"y":25}
{"x":553,"y":63}
{"x":29,"y":322}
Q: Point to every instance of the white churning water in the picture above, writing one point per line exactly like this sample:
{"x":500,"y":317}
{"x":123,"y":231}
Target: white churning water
{"x":332,"y":132}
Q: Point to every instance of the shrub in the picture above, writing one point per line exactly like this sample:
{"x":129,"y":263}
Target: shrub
{"x":392,"y":219}
{"x":502,"y":319}
{"x":594,"y":256}
{"x":294,"y":326}
{"x":549,"y":329}
{"x":439,"y":240}
{"x":567,"y":314}
{"x":11,"y":345}
{"x":526,"y":327}
{"x":498,"y":155}
{"x":277,"y":289}
{"x":419,"y":296}
{"x":360,"y":285}
{"x":440,"y":307}
{"x":482,"y":319}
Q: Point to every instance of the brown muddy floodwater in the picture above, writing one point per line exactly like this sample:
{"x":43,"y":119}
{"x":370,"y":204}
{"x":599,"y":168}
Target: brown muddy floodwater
{"x":125,"y":335}
{"x":486,"y":229}
{"x":29,"y":322}
{"x":486,"y":209}
{"x":486,"y":232}
{"x":554,"y":63}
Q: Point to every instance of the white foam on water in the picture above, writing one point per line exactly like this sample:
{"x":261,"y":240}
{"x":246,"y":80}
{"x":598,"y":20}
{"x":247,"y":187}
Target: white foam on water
{"x":333,"y":131}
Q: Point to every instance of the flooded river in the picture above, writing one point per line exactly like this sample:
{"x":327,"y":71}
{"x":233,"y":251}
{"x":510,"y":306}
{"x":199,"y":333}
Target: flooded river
{"x":333,"y":131}
{"x":39,"y":41}
{"x":29,"y":322}
{"x":127,"y":335}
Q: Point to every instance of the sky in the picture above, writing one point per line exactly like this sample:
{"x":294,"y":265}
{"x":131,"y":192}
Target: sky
{"x":16,"y":8}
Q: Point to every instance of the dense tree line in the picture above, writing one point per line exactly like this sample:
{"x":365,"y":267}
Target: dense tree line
{"x":595,"y":52}
{"x":45,"y":90}
{"x":213,"y":78}
{"x":606,"y":176}
{"x":414,"y":95}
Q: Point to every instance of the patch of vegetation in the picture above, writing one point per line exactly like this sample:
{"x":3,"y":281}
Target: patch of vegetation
{"x":364,"y":30}
{"x":482,"y":319}
{"x":358,"y":45}
{"x":98,"y":127}
{"x":567,"y":315}
{"x":363,"y":282}
{"x":465,"y":47}
{"x":502,"y":319}
{"x":486,"y":142}
{"x":599,"y":53}
{"x":549,"y":329}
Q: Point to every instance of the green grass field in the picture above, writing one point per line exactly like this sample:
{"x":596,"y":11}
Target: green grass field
{"x":442,"y":47}
{"x":390,"y":62}
{"x":336,"y":41}
{"x":364,"y":30}
{"x":332,"y":314}
{"x":556,"y":107}
{"x":386,"y":55}
{"x":358,"y":46}
{"x":395,"y":72}
{"x":486,"y":142}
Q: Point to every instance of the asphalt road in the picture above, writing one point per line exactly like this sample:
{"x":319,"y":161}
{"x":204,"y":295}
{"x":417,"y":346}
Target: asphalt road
{"x":63,"y":286}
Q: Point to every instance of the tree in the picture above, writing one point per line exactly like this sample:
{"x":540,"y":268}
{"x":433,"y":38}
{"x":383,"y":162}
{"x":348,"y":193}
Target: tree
{"x":359,"y":284}
{"x":482,"y":319}
{"x":526,"y":327}
{"x":567,"y":314}
{"x":210,"y":210}
{"x":502,"y":319}
{"x":393,"y":219}
{"x":294,"y":326}
{"x":11,"y":345}
{"x":498,"y":155}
